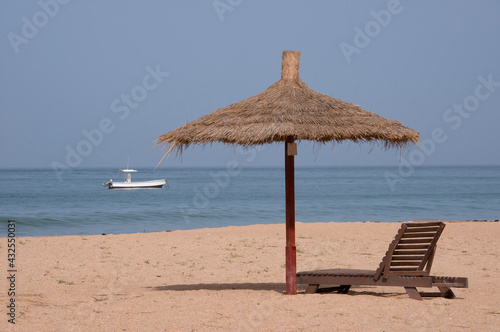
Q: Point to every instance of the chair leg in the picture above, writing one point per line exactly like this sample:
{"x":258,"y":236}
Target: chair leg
{"x":413,"y":293}
{"x":312,"y":288}
{"x":446,"y":292}
{"x":344,"y":289}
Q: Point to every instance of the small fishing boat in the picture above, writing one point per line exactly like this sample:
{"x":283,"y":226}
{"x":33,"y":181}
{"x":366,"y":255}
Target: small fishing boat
{"x":128,"y":184}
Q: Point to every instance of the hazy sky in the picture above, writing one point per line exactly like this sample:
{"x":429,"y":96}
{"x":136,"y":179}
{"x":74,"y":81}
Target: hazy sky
{"x":93,"y":83}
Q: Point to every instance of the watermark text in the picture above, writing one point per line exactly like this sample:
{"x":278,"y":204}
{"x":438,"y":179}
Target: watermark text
{"x":11,"y":271}
{"x":30,"y":27}
{"x":121,"y":106}
{"x":454,"y":117}
{"x":222,"y":7}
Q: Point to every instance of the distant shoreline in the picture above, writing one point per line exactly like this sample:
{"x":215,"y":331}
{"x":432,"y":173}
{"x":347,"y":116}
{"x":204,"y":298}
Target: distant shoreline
{"x":145,"y":167}
{"x":275,"y":224}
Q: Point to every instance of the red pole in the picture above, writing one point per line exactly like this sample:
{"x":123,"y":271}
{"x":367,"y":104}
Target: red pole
{"x":291,"y":261}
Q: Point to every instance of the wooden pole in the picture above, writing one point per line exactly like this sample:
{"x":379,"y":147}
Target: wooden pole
{"x":290,"y":72}
{"x":291,"y":261}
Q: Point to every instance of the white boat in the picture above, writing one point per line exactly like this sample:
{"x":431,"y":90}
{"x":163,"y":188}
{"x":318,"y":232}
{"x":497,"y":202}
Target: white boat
{"x":128,"y":184}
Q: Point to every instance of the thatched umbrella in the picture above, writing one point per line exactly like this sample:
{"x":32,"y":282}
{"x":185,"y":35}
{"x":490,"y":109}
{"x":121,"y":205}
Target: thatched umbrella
{"x":289,"y":111}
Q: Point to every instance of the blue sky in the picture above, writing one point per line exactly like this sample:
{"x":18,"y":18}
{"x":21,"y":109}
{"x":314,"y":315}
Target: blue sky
{"x":94,"y":83}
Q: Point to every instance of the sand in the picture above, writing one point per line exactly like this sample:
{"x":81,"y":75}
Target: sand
{"x":232,"y":279}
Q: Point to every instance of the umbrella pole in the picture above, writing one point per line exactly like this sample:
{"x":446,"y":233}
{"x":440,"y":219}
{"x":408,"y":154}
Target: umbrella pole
{"x":291,"y":261}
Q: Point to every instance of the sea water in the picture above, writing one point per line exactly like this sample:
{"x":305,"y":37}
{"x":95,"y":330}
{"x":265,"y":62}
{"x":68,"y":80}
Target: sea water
{"x":215,"y":197}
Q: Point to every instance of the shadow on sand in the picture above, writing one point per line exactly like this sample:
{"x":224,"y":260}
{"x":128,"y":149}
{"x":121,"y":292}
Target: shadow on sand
{"x":277,"y":287}
{"x":268,"y":286}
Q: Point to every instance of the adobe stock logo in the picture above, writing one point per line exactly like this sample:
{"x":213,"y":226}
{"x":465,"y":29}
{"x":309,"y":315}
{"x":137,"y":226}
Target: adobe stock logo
{"x":373,"y":28}
{"x":31,"y":27}
{"x":222,"y":7}
{"x":122,"y":106}
{"x":454,"y":116}
{"x":218,"y":182}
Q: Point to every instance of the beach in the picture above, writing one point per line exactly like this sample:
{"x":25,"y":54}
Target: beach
{"x":233,"y":279}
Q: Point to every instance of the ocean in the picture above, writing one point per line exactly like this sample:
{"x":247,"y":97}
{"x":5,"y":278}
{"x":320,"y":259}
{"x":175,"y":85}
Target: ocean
{"x":42,"y":205}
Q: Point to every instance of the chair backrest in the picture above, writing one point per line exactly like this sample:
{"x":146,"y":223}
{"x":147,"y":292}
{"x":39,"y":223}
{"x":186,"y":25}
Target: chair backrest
{"x":412,"y":250}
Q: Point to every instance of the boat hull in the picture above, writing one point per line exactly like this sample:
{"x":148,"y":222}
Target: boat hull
{"x":137,"y":185}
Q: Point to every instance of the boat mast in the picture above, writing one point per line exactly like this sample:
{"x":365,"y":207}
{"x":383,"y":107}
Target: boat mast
{"x":128,"y":176}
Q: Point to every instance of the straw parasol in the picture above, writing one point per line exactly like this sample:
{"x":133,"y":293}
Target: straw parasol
{"x":288,"y":111}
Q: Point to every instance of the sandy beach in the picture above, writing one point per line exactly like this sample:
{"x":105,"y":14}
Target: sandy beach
{"x":232,"y":279}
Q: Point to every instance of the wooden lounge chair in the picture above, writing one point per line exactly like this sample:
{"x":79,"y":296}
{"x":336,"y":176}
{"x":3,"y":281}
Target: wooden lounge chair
{"x":407,"y":263}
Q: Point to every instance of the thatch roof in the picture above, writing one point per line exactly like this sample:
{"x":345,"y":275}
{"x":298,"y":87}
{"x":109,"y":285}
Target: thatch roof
{"x":288,"y":108}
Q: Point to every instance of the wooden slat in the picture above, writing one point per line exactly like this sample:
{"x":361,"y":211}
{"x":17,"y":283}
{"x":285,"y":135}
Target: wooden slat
{"x":415,"y":246}
{"x":422,"y":229}
{"x":406,"y":270}
{"x":415,"y":241}
{"x":409,"y":252}
{"x":407,"y":258}
{"x":338,"y":272}
{"x":422,"y":224}
{"x":450,"y":281}
{"x":413,"y":235}
{"x":405,"y":263}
